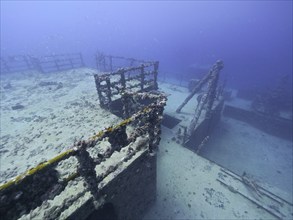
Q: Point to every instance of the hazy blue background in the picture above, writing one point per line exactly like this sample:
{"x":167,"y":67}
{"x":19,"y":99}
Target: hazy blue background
{"x":253,"y":38}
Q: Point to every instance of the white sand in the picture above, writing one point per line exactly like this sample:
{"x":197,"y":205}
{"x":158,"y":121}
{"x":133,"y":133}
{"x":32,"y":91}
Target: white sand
{"x":51,"y":119}
{"x":242,"y":148}
{"x":187,"y":186}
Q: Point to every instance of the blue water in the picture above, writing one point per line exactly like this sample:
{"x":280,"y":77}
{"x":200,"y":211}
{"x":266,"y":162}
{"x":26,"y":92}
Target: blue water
{"x":253,"y":38}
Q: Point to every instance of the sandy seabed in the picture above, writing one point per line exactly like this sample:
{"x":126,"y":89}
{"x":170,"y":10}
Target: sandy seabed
{"x":44,"y":114}
{"x":188,"y":184}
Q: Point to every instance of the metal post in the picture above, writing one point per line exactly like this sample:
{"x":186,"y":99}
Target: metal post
{"x":98,"y":87}
{"x":122,"y":78}
{"x":97,"y":61}
{"x":142,"y":76}
{"x":213,"y":87}
{"x":196,"y":89}
{"x":156,"y":68}
{"x":87,"y":170}
{"x":109,"y":92}
{"x":104,"y":63}
{"x":208,"y":98}
{"x":110,"y":63}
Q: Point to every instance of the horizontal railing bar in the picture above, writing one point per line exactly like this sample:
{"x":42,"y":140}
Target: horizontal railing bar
{"x":75,"y":148}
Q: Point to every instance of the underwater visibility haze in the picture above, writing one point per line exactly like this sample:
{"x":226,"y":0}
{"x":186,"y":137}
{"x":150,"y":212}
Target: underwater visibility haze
{"x":254,"y":38}
{"x":223,"y":71}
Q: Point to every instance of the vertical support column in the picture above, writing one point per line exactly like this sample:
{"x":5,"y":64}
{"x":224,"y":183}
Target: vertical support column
{"x":142,"y":77}
{"x":221,"y":90}
{"x":151,"y":131}
{"x":104,"y":63}
{"x":110,"y":63}
{"x":109,"y":93}
{"x":97,"y":61}
{"x":118,"y":138}
{"x":156,"y":68}
{"x":197,"y":114}
{"x":126,"y":105}
{"x":159,"y":119}
{"x":87,"y":170}
{"x":213,"y":87}
{"x":185,"y":137}
{"x":154,"y":128}
{"x":122,"y":78}
{"x":98,"y":87}
{"x":208,"y":98}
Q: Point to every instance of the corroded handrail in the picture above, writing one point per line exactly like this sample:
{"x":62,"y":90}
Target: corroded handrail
{"x":21,"y":194}
{"x":144,"y":79}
